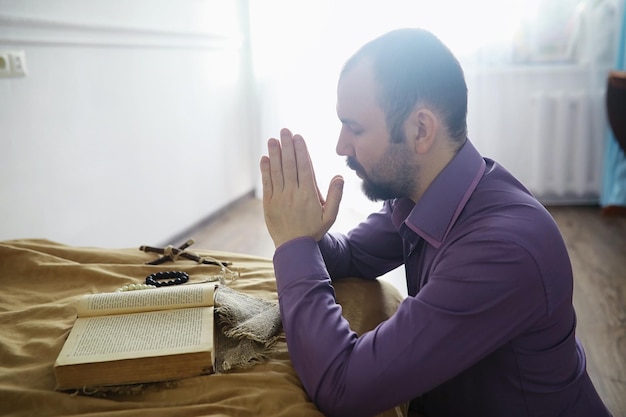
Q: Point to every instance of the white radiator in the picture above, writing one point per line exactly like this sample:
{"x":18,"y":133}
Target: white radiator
{"x":567,"y":143}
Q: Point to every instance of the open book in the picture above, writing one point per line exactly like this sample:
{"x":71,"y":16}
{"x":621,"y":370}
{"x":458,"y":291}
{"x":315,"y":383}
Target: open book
{"x":139,"y":336}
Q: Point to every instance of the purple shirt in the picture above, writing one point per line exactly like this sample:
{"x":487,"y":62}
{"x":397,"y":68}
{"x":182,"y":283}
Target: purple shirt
{"x":488,"y":328}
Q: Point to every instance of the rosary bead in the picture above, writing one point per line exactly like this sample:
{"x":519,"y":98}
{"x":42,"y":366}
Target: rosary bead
{"x":135,"y":287}
{"x":173,"y":278}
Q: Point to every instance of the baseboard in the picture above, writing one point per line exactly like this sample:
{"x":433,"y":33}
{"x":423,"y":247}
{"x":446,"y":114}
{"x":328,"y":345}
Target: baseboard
{"x":183,"y":236}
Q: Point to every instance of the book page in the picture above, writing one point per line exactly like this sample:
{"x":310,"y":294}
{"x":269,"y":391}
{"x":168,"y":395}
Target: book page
{"x":180,"y":296}
{"x":128,"y":336}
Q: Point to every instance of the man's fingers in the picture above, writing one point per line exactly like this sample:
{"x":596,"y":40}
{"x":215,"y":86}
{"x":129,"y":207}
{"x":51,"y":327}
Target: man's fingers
{"x":289,"y":163}
{"x":319,"y":193}
{"x":292,"y":203}
{"x":306,"y":177}
{"x":275,"y":164}
{"x":266,"y":178}
{"x":335,"y":193}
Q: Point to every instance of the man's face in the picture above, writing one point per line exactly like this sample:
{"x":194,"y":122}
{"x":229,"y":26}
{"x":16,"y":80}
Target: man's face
{"x":387,"y":169}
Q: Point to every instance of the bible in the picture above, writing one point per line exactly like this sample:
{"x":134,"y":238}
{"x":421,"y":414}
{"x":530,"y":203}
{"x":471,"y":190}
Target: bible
{"x":132,"y":337}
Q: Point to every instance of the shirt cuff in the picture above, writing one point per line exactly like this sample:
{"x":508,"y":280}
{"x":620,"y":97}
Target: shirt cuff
{"x":298,"y":259}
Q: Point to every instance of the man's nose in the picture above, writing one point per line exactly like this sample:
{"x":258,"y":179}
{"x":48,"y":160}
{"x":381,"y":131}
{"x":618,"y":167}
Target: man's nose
{"x":344,"y":144}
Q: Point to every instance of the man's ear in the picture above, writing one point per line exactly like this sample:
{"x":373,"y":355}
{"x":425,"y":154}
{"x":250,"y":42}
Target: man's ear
{"x":422,"y":129}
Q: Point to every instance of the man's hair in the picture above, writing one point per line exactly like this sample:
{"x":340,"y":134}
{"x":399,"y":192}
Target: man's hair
{"x":413,"y":66}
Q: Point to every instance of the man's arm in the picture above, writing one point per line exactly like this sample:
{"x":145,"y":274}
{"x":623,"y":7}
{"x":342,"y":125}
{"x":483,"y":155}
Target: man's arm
{"x":370,"y":250}
{"x":463,"y":314}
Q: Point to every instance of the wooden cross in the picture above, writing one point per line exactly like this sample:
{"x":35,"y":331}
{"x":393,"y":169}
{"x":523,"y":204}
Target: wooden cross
{"x":170,"y":254}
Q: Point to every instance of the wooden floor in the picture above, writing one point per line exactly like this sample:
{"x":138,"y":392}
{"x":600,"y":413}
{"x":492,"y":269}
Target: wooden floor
{"x":597,"y":246}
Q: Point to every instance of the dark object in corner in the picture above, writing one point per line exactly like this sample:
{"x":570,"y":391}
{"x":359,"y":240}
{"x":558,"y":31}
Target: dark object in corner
{"x":616,"y":112}
{"x":616,"y":106}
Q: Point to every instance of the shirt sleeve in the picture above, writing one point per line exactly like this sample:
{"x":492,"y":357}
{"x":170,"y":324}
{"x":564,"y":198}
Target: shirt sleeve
{"x":471,"y":306}
{"x":370,"y":250}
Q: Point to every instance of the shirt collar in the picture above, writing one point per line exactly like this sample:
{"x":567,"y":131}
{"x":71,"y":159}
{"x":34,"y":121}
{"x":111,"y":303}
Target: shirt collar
{"x":435,"y":213}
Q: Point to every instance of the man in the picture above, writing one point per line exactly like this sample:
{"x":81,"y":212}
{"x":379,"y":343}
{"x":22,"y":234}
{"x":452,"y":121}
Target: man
{"x":488,"y":328}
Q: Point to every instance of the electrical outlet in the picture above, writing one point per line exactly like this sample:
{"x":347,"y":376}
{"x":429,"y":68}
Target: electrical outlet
{"x":18,"y":63}
{"x":12,"y":64}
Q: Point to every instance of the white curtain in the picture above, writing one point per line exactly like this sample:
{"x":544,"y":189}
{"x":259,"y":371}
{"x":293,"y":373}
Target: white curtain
{"x":512,"y":51}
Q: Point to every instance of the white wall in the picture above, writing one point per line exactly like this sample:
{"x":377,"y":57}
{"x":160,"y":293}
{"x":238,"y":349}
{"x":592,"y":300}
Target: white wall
{"x":136,"y":119}
{"x":506,"y":74}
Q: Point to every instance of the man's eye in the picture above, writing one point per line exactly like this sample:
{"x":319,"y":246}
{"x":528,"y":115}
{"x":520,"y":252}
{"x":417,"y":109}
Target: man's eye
{"x":355,"y":130}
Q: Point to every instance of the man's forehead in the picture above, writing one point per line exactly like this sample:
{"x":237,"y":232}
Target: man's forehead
{"x":357,"y":88}
{"x":358,"y":75}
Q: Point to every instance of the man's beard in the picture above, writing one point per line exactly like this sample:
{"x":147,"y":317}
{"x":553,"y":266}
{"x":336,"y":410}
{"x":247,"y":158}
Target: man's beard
{"x":392,"y":176}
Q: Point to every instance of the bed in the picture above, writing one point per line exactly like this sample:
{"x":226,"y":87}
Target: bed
{"x":41,"y":281}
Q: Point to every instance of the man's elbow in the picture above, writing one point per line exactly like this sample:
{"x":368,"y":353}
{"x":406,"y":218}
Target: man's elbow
{"x":338,"y":404}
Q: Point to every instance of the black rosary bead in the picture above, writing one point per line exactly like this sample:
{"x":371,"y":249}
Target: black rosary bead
{"x":172,"y":277}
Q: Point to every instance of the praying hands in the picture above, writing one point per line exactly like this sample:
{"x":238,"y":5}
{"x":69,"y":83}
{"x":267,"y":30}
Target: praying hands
{"x":292,"y":203}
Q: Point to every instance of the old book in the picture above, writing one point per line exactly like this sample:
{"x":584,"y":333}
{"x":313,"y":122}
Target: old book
{"x":139,"y":336}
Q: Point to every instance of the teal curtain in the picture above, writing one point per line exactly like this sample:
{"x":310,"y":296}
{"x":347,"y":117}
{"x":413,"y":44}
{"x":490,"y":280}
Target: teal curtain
{"x":614,"y":180}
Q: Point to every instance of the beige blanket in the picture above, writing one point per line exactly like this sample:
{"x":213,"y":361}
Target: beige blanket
{"x":40,"y":282}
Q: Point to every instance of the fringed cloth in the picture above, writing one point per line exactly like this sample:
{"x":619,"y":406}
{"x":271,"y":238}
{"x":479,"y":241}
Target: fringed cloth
{"x":247,"y":328}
